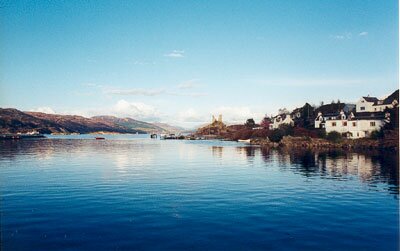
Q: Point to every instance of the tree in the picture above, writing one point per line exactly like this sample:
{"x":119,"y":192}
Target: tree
{"x":334,"y":137}
{"x":250,"y":123}
{"x":283,"y":111}
{"x":265,"y":122}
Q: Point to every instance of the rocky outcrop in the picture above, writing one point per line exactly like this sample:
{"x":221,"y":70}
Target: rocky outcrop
{"x":316,"y":143}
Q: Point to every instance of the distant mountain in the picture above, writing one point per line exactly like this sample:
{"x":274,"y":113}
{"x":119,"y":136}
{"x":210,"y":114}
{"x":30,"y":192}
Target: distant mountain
{"x":13,"y":120}
{"x":169,"y":128}
{"x":130,"y":123}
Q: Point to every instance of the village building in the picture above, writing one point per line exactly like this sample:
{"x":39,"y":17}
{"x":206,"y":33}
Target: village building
{"x":373,"y":104}
{"x":369,"y":114}
{"x":281,"y":119}
{"x":303,"y":116}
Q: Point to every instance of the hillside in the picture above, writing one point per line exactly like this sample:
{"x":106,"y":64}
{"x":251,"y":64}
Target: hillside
{"x":169,"y":128}
{"x":129,"y":123}
{"x":13,"y":120}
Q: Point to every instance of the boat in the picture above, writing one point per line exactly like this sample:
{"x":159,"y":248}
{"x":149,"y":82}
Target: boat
{"x":153,"y":135}
{"x":98,"y":138}
{"x":244,"y":140}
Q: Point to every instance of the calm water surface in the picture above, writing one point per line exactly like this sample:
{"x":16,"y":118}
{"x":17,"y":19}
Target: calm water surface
{"x":130,"y":193}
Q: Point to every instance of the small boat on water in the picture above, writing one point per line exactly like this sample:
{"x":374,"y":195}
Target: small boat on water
{"x":244,"y":140}
{"x":98,"y":138}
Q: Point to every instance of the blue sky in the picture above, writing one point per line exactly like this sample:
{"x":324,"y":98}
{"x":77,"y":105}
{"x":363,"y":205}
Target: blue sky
{"x":181,"y":61}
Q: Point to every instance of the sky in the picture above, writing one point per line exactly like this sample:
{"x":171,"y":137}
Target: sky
{"x":182,"y":61}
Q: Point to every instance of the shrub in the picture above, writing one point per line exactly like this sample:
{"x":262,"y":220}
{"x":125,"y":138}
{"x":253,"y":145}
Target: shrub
{"x":276,"y":135}
{"x":260,"y":133}
{"x":302,"y":132}
{"x":377,"y":134}
{"x":286,"y":129}
{"x":334,"y":137}
{"x":321,"y":133}
{"x":242,"y":134}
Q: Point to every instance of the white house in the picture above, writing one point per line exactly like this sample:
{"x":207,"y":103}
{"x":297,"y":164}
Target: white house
{"x":369,"y":117}
{"x":354,"y":128}
{"x":282,"y":119}
{"x":373,"y":104}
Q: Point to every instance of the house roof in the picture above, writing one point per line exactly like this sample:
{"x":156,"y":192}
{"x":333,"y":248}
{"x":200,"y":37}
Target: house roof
{"x":369,"y":115}
{"x":371,"y":99}
{"x":333,"y":108}
{"x":391,"y":98}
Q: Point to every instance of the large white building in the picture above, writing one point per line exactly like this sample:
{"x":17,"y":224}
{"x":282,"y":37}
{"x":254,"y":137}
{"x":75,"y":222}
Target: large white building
{"x":369,"y":116}
{"x":373,"y":104}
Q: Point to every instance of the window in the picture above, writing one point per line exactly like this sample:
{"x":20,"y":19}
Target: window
{"x":372,"y":123}
{"x":345,"y":123}
{"x":362,"y":108}
{"x":333,"y":123}
{"x":354,"y":123}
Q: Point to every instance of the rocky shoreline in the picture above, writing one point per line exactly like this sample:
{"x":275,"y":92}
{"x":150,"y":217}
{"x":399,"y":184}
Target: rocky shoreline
{"x":317,"y":143}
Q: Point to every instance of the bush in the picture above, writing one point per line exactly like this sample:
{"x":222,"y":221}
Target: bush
{"x":302,"y":132}
{"x":286,"y":129}
{"x":276,"y":135}
{"x":242,"y":134}
{"x":377,"y":134}
{"x":260,"y":133}
{"x":321,"y":133}
{"x":334,"y":137}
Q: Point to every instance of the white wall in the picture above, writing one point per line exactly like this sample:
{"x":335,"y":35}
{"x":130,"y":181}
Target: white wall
{"x":368,"y":106}
{"x":358,"y":128}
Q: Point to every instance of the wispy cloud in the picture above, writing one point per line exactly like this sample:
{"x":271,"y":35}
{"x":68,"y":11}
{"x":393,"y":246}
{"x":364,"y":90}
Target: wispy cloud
{"x":296,"y":82}
{"x":364,"y":33}
{"x":190,"y":84}
{"x":151,"y":92}
{"x":175,"y":54}
{"x":230,"y":115}
{"x":188,"y":94}
{"x":137,"y":62}
{"x":43,"y":109}
{"x":136,"y":92}
{"x":343,"y":36}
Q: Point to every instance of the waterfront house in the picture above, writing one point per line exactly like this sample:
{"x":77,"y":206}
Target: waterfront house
{"x":370,"y":114}
{"x":333,"y":111}
{"x":281,"y":119}
{"x":303,"y":116}
{"x":373,"y":104}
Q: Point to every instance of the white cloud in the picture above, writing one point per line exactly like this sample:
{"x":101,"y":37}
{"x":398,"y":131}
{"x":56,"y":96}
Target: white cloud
{"x":135,"y":110}
{"x":192,"y":116}
{"x":364,"y":33}
{"x":190,"y":84}
{"x":237,"y":114}
{"x":136,"y":92}
{"x":144,"y":62}
{"x":151,"y":92}
{"x":230,"y":115}
{"x":296,"y":82}
{"x":44,"y":109}
{"x":344,"y":36}
{"x":175,"y":54}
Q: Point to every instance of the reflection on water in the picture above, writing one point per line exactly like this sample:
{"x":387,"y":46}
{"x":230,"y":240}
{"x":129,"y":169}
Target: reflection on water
{"x":129,"y":193}
{"x":370,"y":167}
